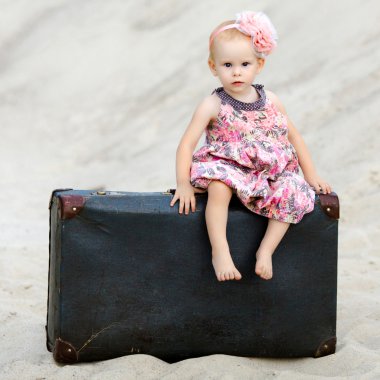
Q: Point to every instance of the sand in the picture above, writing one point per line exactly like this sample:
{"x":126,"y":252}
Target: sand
{"x":91,"y":93}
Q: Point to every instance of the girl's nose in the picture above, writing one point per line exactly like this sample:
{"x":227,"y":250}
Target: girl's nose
{"x":236,"y":71}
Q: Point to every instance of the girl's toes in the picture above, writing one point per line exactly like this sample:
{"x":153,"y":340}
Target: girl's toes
{"x":237,"y":275}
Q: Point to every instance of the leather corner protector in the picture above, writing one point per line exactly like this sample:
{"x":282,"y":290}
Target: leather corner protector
{"x":64,"y":352}
{"x":70,"y":205}
{"x":327,"y":347}
{"x":330,"y":204}
{"x":53,"y":194}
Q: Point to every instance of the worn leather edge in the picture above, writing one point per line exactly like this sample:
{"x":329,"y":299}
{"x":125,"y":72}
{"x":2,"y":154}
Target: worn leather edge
{"x":50,"y":342}
{"x":64,"y":352}
{"x":53,"y":194}
{"x":70,"y":205}
{"x":330,"y":204}
{"x":327,"y":347}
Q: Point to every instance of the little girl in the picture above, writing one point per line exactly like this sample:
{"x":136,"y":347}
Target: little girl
{"x":251,"y":149}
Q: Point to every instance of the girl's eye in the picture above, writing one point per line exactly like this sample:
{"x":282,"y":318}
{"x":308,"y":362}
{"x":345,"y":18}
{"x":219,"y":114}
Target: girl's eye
{"x":227,"y":64}
{"x":245,"y":64}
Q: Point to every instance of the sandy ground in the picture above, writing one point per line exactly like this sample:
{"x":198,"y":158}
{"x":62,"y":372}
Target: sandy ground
{"x":96,"y":94}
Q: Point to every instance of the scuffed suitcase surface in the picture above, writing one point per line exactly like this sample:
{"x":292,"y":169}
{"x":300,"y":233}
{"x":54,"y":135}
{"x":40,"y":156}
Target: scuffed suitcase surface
{"x":129,"y":275}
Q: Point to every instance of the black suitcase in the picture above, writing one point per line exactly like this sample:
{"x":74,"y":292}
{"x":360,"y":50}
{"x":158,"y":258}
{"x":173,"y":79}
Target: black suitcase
{"x":129,"y":275}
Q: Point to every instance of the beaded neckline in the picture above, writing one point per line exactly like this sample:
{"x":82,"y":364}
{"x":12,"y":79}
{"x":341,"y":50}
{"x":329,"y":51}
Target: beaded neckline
{"x":238,"y":105}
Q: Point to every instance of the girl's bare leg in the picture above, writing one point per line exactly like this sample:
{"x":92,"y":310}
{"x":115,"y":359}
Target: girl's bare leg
{"x":273,"y":235}
{"x":219,"y":196}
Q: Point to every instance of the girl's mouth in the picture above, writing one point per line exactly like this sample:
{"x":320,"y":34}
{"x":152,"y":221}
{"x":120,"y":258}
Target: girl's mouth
{"x":237,"y":83}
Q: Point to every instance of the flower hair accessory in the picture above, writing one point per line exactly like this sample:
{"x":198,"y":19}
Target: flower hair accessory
{"x":256,"y":25}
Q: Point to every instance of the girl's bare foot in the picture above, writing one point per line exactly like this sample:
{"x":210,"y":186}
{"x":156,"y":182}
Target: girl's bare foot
{"x":264,"y":264}
{"x":224,"y":266}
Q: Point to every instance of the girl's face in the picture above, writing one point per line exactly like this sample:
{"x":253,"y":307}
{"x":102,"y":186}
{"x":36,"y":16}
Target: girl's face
{"x":236,"y":65}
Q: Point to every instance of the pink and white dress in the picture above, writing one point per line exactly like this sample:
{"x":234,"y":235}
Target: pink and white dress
{"x":247,"y":148}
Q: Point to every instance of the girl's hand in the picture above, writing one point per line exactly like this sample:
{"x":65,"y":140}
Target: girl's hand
{"x":185,"y":195}
{"x":319,"y":185}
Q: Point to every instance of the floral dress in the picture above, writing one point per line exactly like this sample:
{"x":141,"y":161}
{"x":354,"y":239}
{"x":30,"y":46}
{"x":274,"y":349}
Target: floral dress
{"x":247,"y":148}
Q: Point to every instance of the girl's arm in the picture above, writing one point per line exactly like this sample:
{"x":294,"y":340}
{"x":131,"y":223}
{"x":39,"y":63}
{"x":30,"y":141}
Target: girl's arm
{"x":304,"y":156}
{"x":205,"y":112}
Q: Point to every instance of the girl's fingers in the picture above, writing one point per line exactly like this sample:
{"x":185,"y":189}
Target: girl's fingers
{"x":316,"y":187}
{"x":321,"y":187}
{"x":181,"y":204}
{"x":193,"y":204}
{"x":187,"y":206}
{"x":190,"y":204}
{"x":326,"y":188}
{"x":174,"y":200}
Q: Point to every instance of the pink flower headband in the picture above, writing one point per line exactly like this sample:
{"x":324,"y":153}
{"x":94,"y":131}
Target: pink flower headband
{"x":258,"y":26}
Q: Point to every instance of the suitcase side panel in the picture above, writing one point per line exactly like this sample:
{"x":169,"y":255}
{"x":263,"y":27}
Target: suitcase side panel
{"x":53,"y":307}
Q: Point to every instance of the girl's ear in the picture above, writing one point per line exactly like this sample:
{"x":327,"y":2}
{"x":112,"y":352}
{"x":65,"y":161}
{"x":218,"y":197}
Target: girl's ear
{"x":211,"y":65}
{"x":261,"y":63}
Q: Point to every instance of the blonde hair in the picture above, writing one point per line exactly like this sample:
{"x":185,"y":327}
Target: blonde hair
{"x":226,"y":35}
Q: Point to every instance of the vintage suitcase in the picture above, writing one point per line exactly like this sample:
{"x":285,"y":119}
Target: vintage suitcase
{"x":129,"y":275}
